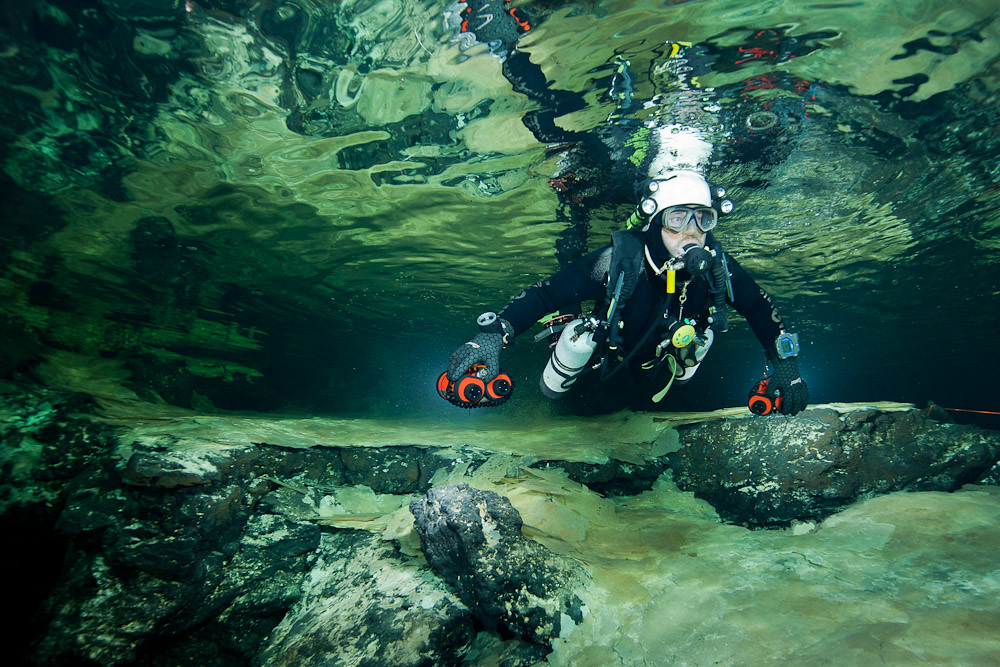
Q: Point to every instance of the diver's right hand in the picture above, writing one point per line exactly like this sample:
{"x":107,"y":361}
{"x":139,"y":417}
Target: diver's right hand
{"x":483,"y":349}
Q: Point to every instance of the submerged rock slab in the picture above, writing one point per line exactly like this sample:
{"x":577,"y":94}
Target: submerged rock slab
{"x":771,"y":471}
{"x":473,"y":539}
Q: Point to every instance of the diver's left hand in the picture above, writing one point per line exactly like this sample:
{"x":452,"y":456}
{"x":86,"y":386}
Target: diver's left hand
{"x":788,"y":383}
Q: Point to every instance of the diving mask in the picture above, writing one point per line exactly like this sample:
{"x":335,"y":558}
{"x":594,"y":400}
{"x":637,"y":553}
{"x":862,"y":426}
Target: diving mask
{"x":677,"y":198}
{"x":677,"y":218}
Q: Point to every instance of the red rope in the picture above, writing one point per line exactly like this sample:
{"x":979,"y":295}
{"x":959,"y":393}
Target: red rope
{"x":981,"y":412}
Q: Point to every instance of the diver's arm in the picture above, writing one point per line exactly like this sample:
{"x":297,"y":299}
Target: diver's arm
{"x":785,"y":380}
{"x":580,"y":281}
{"x":753,"y":303}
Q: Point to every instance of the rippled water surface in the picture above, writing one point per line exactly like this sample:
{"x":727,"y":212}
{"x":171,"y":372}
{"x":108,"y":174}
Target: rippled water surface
{"x":305,"y":204}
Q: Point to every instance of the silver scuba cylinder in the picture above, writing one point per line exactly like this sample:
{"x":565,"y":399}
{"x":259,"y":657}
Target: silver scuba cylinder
{"x":574,"y":349}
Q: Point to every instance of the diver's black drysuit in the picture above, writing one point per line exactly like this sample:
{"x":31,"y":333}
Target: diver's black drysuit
{"x":586,"y":279}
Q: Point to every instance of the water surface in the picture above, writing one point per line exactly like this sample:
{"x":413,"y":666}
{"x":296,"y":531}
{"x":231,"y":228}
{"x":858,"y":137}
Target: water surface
{"x":304,"y":205}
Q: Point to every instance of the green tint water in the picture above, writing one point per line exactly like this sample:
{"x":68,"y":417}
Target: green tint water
{"x":305,"y":205}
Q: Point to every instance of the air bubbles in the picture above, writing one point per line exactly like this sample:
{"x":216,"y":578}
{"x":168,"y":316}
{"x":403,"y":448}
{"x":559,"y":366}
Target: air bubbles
{"x":286,"y":12}
{"x":346,"y":89}
{"x":762,"y":120}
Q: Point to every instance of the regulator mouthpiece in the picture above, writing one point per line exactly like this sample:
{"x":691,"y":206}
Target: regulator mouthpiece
{"x":697,"y":260}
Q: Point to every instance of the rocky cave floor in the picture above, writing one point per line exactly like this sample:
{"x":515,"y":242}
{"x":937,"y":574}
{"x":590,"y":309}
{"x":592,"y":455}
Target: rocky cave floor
{"x":158,"y":537}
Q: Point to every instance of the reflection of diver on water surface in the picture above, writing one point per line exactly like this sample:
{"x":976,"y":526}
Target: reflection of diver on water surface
{"x":497,"y":24}
{"x":595,"y":167}
{"x":602,"y":168}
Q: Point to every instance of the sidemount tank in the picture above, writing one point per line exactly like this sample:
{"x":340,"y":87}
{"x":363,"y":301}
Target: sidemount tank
{"x":575,"y":348}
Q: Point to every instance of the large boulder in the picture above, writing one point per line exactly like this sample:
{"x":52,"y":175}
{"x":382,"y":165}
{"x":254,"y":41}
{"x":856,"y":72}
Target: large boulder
{"x":767,"y":472}
{"x":513,"y":585}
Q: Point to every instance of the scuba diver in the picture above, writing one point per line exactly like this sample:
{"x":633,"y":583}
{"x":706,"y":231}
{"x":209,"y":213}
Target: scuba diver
{"x":661,"y":291}
{"x":663,"y":285}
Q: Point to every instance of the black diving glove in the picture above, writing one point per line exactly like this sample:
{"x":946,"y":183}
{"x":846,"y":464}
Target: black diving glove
{"x":483,"y":349}
{"x":788,"y":383}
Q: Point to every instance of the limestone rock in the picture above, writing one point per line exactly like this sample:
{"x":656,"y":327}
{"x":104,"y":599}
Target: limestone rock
{"x":169,"y":470}
{"x":613,"y":478}
{"x":991,"y":476}
{"x":153,"y":583}
{"x":390,"y":469}
{"x":770,"y":471}
{"x":513,"y":585}
{"x":46,"y":440}
{"x":200,"y":551}
{"x":366,"y":604}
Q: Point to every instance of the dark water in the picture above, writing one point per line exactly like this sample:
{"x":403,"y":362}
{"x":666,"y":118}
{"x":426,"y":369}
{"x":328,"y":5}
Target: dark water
{"x":304,"y":205}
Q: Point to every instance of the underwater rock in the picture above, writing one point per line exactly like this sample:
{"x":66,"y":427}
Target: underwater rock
{"x":513,"y":585}
{"x":991,"y":476}
{"x":391,"y":469}
{"x":47,"y":443}
{"x":190,"y":551}
{"x":46,"y":440}
{"x":150,"y":567}
{"x":613,"y":477}
{"x":769,"y":472}
{"x":169,"y":470}
{"x":365,"y":603}
{"x":187,"y":544}
{"x":161,"y":570}
{"x":119,"y":563}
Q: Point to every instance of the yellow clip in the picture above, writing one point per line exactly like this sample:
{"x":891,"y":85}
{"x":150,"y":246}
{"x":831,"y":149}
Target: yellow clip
{"x":671,"y":282}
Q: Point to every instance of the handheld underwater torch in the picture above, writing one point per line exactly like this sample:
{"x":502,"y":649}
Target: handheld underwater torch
{"x":470,"y":390}
{"x":762,"y":400}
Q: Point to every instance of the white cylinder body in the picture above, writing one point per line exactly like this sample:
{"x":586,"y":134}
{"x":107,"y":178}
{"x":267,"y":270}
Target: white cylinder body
{"x":568,"y":359}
